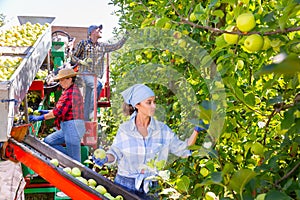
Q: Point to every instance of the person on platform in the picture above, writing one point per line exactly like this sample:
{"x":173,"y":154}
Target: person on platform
{"x":89,"y":54}
{"x":141,"y":139}
{"x":68,"y":114}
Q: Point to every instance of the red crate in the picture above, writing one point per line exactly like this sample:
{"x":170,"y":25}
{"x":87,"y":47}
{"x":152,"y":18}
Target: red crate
{"x":38,"y":85}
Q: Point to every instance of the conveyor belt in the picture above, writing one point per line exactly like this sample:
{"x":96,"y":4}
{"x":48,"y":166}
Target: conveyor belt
{"x":36,"y":155}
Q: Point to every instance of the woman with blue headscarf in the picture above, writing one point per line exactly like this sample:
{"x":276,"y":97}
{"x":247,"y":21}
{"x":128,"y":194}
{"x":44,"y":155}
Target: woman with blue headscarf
{"x":140,"y":140}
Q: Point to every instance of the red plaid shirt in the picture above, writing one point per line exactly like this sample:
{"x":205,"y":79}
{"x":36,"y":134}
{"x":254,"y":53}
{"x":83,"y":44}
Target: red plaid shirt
{"x":69,"y":106}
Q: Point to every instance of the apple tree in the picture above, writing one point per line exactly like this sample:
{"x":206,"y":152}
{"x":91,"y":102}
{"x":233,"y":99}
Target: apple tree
{"x":236,"y":62}
{"x":2,"y":18}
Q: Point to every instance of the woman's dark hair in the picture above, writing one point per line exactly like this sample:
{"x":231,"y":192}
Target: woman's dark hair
{"x":128,"y":109}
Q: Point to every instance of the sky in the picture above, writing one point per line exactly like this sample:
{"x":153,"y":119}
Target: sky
{"x":82,"y":13}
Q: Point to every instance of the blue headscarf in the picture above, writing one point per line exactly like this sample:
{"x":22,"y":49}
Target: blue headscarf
{"x":137,"y":93}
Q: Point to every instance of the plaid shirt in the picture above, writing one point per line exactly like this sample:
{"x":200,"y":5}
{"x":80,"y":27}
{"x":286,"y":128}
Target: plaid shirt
{"x":69,"y":106}
{"x":86,"y":49}
{"x":133,"y":152}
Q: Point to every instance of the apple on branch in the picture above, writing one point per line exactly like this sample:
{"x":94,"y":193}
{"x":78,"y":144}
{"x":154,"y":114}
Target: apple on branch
{"x":230,"y":38}
{"x":245,"y":22}
{"x":254,"y":43}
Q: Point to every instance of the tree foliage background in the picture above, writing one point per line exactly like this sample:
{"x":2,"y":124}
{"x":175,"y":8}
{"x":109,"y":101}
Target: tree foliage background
{"x":255,"y":153}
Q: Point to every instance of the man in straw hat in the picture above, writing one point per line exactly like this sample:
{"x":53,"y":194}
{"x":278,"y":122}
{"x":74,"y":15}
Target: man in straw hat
{"x":68,"y":114}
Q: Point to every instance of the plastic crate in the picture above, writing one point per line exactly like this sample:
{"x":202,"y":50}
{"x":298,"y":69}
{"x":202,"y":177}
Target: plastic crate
{"x":38,"y":85}
{"x":19,"y":132}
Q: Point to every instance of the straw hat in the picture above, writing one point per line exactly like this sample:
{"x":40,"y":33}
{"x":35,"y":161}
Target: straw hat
{"x":65,"y":73}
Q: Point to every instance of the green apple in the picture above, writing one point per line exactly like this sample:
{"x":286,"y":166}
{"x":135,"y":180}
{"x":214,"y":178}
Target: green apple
{"x":54,"y":162}
{"x":204,"y":171}
{"x":92,"y":182}
{"x":167,"y":25}
{"x":240,"y":64}
{"x":93,"y":187}
{"x":257,"y":148}
{"x":101,"y":189}
{"x":36,"y":112}
{"x":68,"y":170}
{"x":29,"y":110}
{"x":210,"y":196}
{"x":267,"y":43}
{"x":138,"y":58}
{"x":119,"y":197}
{"x":245,"y":22}
{"x":254,"y":43}
{"x":108,"y":195}
{"x":230,"y":38}
{"x":83,"y":180}
{"x":99,"y":153}
{"x":75,"y":172}
{"x":193,"y":17}
{"x":239,"y":158}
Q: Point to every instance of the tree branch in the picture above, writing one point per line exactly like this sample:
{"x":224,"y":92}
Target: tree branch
{"x":216,"y":30}
{"x":288,"y":174}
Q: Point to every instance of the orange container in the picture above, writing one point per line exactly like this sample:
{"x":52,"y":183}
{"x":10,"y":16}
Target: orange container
{"x":19,"y":132}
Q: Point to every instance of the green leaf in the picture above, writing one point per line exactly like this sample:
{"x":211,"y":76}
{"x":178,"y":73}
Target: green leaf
{"x":276,"y":195}
{"x":286,"y":14}
{"x":250,"y":99}
{"x":212,"y":3}
{"x":161,"y":22}
{"x":218,"y":13}
{"x":238,"y":93}
{"x":183,"y":183}
{"x":216,"y":177}
{"x":240,"y":179}
{"x":288,"y":120}
{"x":146,"y":22}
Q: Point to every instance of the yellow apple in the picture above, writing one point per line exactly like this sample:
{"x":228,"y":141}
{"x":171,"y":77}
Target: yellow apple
{"x":245,"y":22}
{"x":254,"y":43}
{"x":230,"y":38}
